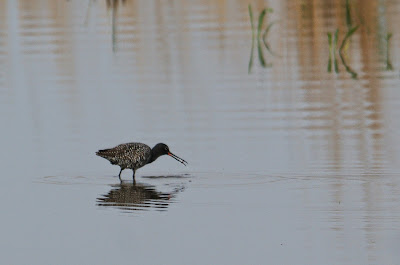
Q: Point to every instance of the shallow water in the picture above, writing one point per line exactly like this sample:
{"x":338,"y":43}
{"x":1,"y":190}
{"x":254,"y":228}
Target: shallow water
{"x":288,"y":164}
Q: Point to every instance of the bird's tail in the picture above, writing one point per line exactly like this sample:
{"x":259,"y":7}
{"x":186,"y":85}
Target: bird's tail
{"x":103,"y":153}
{"x":108,"y":154}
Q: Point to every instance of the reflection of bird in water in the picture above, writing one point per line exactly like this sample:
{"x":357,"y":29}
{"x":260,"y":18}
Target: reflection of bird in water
{"x":132,"y":196}
{"x":135,"y":155}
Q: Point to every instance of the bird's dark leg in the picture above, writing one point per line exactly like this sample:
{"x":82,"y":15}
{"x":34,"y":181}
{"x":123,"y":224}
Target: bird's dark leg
{"x":119,"y":175}
{"x":133,"y":176}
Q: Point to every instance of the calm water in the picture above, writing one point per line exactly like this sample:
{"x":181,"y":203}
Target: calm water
{"x":288,"y":164}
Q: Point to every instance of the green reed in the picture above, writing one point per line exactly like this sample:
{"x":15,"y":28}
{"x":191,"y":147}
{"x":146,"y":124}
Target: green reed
{"x":261,"y":39}
{"x":264,"y":38}
{"x":332,"y":48}
{"x":389,"y":65}
{"x":330,"y":52}
{"x":333,"y":43}
{"x":252,"y":39}
{"x":259,"y":28}
{"x":348,"y":14}
{"x":346,"y":37}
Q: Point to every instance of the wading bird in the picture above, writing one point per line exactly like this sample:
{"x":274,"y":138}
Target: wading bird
{"x":135,"y":155}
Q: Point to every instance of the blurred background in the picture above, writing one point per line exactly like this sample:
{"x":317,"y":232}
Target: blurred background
{"x":287,"y":112}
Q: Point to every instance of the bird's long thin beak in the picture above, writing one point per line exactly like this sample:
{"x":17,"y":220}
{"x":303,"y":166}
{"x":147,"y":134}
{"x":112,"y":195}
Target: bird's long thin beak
{"x":178,"y":158}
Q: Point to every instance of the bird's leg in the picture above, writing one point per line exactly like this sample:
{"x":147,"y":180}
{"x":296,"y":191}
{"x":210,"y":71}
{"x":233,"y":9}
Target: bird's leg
{"x":133,"y":176}
{"x":119,"y":175}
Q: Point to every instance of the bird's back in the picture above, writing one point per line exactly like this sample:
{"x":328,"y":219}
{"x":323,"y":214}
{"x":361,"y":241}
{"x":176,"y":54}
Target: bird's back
{"x":129,"y":155}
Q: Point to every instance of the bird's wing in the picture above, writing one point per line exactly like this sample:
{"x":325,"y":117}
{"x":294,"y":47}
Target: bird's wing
{"x":135,"y":151}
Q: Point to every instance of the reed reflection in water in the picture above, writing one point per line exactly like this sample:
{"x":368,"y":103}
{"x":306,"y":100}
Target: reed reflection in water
{"x":288,"y":159}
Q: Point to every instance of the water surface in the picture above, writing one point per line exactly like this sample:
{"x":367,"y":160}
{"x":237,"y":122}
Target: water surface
{"x":288,"y":164}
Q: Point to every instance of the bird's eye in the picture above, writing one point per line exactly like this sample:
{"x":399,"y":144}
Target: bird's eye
{"x":166,"y":148}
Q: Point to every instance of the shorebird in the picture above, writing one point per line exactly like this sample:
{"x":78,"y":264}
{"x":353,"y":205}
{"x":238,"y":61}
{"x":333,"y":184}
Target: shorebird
{"x":135,"y":155}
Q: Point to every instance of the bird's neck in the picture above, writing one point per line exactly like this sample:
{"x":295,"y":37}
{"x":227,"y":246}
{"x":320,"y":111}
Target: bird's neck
{"x":153,"y":156}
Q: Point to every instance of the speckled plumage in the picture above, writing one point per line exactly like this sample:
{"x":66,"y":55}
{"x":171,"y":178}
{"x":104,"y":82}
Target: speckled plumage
{"x":135,"y":155}
{"x":130,"y":155}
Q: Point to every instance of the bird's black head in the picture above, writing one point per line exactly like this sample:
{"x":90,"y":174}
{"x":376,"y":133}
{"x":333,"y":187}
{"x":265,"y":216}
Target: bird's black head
{"x":163,"y":149}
